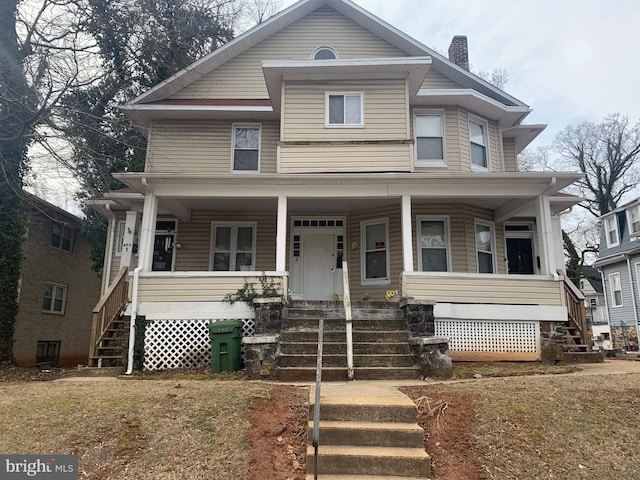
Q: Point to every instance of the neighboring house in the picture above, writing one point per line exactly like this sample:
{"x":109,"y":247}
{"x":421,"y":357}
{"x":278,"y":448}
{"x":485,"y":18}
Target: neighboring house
{"x":58,"y":289}
{"x":595,"y":307}
{"x":619,"y":262}
{"x":325,"y":135}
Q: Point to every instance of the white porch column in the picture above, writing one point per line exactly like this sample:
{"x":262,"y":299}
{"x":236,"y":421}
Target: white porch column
{"x":281,"y":235}
{"x":545,"y":236}
{"x":407,"y":244}
{"x":147,"y":232}
{"x":128,"y":239}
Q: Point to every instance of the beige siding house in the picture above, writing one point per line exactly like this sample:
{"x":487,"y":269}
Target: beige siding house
{"x":325,"y":136}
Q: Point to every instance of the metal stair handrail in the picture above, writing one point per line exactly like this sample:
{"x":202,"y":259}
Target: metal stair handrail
{"x":316,"y":407}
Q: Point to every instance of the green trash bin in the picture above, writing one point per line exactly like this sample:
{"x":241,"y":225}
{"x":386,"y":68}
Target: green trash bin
{"x":226,"y":336}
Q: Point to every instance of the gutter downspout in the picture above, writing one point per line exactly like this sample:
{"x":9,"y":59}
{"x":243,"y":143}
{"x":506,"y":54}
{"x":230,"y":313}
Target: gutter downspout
{"x":606,"y":304}
{"x":132,"y":327}
{"x":633,"y":297}
{"x":109,"y":253}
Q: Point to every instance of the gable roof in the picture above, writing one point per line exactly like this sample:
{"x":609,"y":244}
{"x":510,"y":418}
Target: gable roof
{"x":297,"y":11}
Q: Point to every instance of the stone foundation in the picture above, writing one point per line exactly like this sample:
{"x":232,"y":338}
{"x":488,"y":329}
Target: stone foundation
{"x":419,"y":315}
{"x":268,"y":315}
{"x":625,"y":338}
{"x":260,"y":353}
{"x":432,"y":356}
{"x":551,"y":342}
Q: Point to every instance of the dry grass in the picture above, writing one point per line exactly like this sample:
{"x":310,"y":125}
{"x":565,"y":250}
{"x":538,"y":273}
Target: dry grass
{"x":508,"y":369}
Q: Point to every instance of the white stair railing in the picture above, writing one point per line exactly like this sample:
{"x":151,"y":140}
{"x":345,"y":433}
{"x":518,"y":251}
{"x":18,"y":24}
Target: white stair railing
{"x":346,"y":300}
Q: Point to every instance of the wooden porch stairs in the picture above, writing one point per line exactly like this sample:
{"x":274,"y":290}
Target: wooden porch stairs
{"x":577,"y":336}
{"x":108,"y":326}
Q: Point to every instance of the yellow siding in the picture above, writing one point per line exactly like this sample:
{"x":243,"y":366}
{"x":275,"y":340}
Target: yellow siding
{"x":385,"y":114}
{"x":242,"y":76}
{"x":489,"y":289}
{"x":510,"y":158}
{"x":345,"y":158}
{"x":435,"y":80}
{"x":203,"y":147}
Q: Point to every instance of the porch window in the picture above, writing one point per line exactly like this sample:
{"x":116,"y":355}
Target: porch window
{"x":344,"y":109}
{"x":479,"y":145}
{"x":616,"y":289}
{"x":233,"y":247}
{"x":246,"y":148}
{"x":634,"y":219}
{"x":54,"y":298}
{"x":429,"y":137}
{"x":611,"y":231}
{"x":433,"y":244}
{"x":62,"y":236}
{"x":485,"y":247}
{"x":375,"y":251}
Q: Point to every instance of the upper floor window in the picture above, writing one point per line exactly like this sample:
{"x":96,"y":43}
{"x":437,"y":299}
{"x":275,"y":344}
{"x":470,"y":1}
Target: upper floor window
{"x":234,"y":247}
{"x":54,"y":298}
{"x":616,"y":289}
{"x":634,"y":219}
{"x":375,"y":251}
{"x":62,"y":237}
{"x":324,"y":53}
{"x":611,"y":231}
{"x":344,"y":109}
{"x":433,"y":238}
{"x":429,"y":137}
{"x":479,"y":145}
{"x":485,"y":247}
{"x":246,"y":148}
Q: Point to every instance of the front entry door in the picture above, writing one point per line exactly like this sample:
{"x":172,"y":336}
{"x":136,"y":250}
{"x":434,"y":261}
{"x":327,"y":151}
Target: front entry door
{"x":318,"y":266}
{"x":520,"y":256}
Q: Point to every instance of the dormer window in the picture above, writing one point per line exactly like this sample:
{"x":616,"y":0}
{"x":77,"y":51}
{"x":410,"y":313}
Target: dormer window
{"x":324,"y":53}
{"x":634,"y":220}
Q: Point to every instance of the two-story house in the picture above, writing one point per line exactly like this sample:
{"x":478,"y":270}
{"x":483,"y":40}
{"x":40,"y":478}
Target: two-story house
{"x":58,"y":289}
{"x":619,"y":262}
{"x":325,"y":135}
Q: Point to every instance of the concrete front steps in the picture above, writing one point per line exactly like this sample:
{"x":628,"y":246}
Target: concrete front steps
{"x":368,"y":438}
{"x":380,"y":346}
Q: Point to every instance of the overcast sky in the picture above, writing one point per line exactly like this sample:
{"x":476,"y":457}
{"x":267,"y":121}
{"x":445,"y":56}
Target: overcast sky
{"x":568,"y":60}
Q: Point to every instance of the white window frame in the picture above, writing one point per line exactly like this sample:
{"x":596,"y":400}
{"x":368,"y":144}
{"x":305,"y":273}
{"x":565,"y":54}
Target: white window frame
{"x":233,"y":243}
{"x":324,"y":47}
{"x":492,"y":230}
{"x":611,"y":220}
{"x":635,"y":208}
{"x":447,"y":232}
{"x":485,"y":125}
{"x":120,"y":229}
{"x":426,"y":162}
{"x":327,"y":123}
{"x":363,"y":252}
{"x":234,"y":128}
{"x":613,"y":278}
{"x":51,"y":310}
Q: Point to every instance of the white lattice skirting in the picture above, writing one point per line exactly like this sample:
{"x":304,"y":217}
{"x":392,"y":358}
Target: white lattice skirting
{"x":170,"y":344}
{"x":489,"y":336}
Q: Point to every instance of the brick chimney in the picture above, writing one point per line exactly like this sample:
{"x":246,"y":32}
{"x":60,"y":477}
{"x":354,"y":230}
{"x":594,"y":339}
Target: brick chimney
{"x":459,"y":51}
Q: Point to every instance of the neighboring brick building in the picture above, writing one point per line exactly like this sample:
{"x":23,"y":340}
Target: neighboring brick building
{"x":58,"y":289}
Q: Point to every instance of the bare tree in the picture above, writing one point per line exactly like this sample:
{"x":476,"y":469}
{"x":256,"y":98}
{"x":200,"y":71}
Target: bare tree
{"x":498,"y":78}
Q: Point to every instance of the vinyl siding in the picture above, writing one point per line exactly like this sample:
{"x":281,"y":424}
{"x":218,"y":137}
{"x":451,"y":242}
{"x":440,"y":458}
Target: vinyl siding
{"x":452,"y":145}
{"x":510,"y":157}
{"x":435,"y":80}
{"x":203,"y":147}
{"x":494,"y":142}
{"x":242,"y":76}
{"x":458,"y":254}
{"x":623,"y":315}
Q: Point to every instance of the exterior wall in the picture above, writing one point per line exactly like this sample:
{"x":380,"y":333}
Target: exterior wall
{"x":622,"y":315}
{"x":44,"y":263}
{"x":510,"y":157}
{"x":203,"y":147}
{"x":435,"y":80}
{"x":242,"y":76}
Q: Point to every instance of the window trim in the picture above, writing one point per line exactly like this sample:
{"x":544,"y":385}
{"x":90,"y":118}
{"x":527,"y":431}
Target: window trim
{"x":492,"y":229}
{"x":234,"y":127}
{"x":363,"y":252}
{"x":485,"y":125}
{"x":447,"y":232}
{"x":64,"y":227}
{"x":327,"y":123}
{"x":613,"y":217}
{"x":51,"y":310}
{"x":324,"y":47}
{"x":120,"y":229}
{"x":612,"y":295}
{"x":424,"y":162}
{"x":234,"y":227}
{"x":630,"y":222}
{"x":47,"y":343}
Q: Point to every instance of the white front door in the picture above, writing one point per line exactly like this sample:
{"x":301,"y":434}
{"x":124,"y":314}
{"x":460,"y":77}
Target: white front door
{"x":318,"y":266}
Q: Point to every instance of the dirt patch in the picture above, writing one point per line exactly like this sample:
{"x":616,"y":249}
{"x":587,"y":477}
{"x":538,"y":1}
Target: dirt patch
{"x":279,"y":435}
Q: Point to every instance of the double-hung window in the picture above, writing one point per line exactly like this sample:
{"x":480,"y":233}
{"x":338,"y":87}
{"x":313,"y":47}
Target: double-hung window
{"x":344,"y":109}
{"x":616,"y":289}
{"x":234,"y":247}
{"x":428,"y":133}
{"x":485,"y":247}
{"x":611,"y":231}
{"x":375,"y":251}
{"x":246,"y":148}
{"x":54,"y":298}
{"x":62,"y":236}
{"x":433,"y":244}
{"x":633,"y":215}
{"x":479,"y":145}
